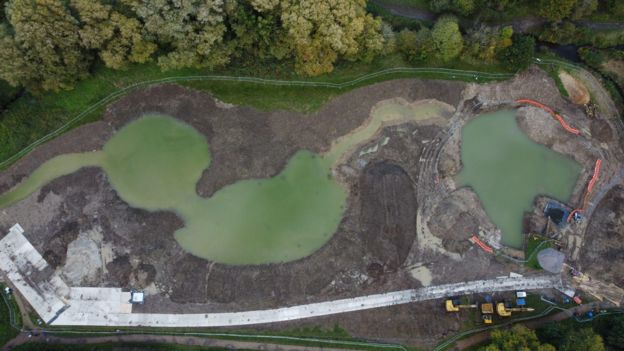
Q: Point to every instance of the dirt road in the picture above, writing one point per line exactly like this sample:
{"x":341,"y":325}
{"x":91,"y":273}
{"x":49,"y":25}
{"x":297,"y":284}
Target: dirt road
{"x":160,"y":339}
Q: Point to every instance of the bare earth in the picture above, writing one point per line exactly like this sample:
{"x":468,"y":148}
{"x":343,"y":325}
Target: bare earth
{"x":405,"y":225}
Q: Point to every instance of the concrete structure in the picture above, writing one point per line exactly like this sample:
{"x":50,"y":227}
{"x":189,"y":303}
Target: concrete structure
{"x":137,"y":297}
{"x":551,"y":260}
{"x":30,"y":274}
{"x":60,"y":305}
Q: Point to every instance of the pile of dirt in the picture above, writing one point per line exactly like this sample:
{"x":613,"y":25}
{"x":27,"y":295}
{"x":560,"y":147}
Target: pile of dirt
{"x":388,"y":215}
{"x":456,"y":218}
{"x":577,"y":92}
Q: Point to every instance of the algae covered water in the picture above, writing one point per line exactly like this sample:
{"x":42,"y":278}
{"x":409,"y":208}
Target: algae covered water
{"x":155,"y":162}
{"x":507,"y":170}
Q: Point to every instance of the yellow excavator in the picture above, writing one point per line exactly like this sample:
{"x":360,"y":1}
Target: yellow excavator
{"x":504,"y":311}
{"x":486,"y":312}
{"x":455,"y":306}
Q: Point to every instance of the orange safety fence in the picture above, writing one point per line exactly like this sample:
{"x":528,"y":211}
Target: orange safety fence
{"x":557,"y":116}
{"x":481,"y":244}
{"x":590,"y":187}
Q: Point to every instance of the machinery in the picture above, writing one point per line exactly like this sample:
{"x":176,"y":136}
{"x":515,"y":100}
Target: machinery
{"x":487,"y":308}
{"x":505,"y":311}
{"x":455,"y":305}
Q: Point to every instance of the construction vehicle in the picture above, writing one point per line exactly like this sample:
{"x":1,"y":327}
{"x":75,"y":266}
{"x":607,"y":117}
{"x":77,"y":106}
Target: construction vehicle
{"x":455,"y":305}
{"x":505,"y":311}
{"x":487,"y":308}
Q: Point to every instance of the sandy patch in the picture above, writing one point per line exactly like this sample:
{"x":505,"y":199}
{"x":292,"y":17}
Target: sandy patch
{"x":576,"y":90}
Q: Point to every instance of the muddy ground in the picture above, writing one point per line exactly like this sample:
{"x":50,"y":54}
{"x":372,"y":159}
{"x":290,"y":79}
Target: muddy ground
{"x":603,"y":253}
{"x":406,"y":225}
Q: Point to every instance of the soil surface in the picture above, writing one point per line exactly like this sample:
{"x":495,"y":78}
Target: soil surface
{"x":603,"y":253}
{"x":577,"y":92}
{"x":405,"y":225}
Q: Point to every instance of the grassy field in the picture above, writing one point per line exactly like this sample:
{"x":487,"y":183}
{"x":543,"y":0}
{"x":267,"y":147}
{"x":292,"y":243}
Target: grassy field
{"x":116,"y":346}
{"x":29,"y":118}
{"x":533,"y":241}
{"x":7,"y":331}
{"x":313,"y":336}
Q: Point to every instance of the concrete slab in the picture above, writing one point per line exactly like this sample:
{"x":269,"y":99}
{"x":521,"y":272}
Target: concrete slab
{"x":58,"y":304}
{"x":24,"y":267}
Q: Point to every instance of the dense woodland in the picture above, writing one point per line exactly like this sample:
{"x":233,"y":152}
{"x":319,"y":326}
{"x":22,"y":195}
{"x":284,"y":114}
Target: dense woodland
{"x":51,"y":44}
{"x":604,"y":333}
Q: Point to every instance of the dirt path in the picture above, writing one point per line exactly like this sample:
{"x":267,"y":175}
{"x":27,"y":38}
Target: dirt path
{"x":159,"y":339}
{"x":406,"y":11}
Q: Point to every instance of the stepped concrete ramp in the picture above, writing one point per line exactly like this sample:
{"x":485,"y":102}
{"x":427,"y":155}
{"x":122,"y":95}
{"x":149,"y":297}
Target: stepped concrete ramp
{"x":30,"y":274}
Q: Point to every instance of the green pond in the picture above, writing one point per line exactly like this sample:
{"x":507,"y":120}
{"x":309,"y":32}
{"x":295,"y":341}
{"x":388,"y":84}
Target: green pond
{"x":155,"y":162}
{"x":507,"y":170}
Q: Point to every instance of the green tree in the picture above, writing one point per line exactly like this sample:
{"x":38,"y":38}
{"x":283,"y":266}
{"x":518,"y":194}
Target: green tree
{"x":256,"y":35}
{"x":14,"y":68}
{"x":416,"y":47}
{"x":438,"y":6}
{"x":464,"y":7}
{"x":321,"y":31}
{"x":582,"y":340}
{"x":460,"y":7}
{"x":519,"y":55}
{"x":584,"y":8}
{"x":555,"y":10}
{"x":518,"y":338}
{"x":2,"y":5}
{"x":117,"y":38}
{"x":562,"y":33}
{"x":483,"y":43}
{"x":191,"y":32}
{"x":614,"y":337}
{"x":44,"y":47}
{"x":616,"y":7}
{"x":447,"y":38}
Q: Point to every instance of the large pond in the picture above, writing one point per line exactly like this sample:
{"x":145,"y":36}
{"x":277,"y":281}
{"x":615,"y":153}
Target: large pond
{"x":155,"y":162}
{"x":507,"y":170}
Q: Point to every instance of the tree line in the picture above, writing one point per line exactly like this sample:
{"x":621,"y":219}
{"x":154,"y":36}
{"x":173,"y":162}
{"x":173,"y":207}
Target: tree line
{"x":51,"y":44}
{"x":552,"y":10}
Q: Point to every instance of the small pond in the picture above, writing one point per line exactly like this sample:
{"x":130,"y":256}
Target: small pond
{"x":508,"y":170}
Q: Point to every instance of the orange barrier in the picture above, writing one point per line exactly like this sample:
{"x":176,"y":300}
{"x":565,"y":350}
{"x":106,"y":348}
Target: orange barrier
{"x":481,"y":244}
{"x":557,"y":116}
{"x":590,"y":187}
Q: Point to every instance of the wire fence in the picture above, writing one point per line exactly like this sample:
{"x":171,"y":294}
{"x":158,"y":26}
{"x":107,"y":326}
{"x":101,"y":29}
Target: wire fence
{"x":12,"y":318}
{"x":451,"y":73}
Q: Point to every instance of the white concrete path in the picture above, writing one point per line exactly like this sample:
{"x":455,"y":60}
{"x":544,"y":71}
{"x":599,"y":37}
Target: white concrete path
{"x":59,"y":305}
{"x":87,"y":313}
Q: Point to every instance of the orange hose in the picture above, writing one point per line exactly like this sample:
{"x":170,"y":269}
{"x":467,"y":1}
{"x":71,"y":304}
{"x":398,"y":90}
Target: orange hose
{"x":557,"y":116}
{"x":481,"y":244}
{"x":590,"y":188}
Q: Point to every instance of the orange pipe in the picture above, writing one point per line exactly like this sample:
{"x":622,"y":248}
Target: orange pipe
{"x":590,"y":188}
{"x":557,"y":116}
{"x":481,"y":244}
